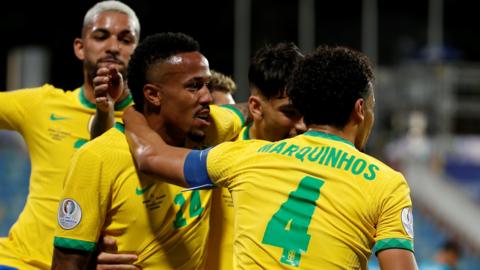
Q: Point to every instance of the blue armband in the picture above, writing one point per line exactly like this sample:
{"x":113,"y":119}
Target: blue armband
{"x":195,"y":170}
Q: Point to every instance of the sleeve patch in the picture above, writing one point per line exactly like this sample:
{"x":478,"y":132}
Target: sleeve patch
{"x":69,"y":214}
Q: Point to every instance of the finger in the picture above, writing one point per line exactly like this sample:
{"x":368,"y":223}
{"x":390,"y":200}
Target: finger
{"x":101,"y":90}
{"x":97,"y":80}
{"x":109,"y":244}
{"x":103,"y":71}
{"x":110,"y":258}
{"x":117,"y":267}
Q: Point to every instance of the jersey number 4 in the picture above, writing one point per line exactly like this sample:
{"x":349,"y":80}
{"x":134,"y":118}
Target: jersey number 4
{"x":288,"y":227}
{"x":195,"y":208}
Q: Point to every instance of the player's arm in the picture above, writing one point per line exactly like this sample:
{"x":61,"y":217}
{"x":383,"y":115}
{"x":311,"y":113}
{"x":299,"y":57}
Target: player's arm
{"x":108,"y":87}
{"x":152,"y":155}
{"x":108,"y":259}
{"x":71,"y":259}
{"x":396,"y":259}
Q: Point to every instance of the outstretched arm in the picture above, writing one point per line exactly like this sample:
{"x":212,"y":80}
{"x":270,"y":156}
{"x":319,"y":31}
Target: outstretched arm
{"x":152,"y":155}
{"x":108,"y":87}
{"x":396,"y":259}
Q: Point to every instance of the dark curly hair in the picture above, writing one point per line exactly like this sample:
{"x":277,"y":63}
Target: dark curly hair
{"x":153,"y":49}
{"x":272,"y":67}
{"x":327,"y":83}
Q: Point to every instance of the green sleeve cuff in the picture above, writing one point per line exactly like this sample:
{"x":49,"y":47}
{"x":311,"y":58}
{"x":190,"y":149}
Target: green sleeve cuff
{"x":74,"y":244}
{"x":236,"y":111}
{"x":393,"y":243}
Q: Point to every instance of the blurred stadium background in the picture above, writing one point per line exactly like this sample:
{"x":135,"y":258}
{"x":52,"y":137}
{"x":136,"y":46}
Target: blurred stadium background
{"x":428,"y":85}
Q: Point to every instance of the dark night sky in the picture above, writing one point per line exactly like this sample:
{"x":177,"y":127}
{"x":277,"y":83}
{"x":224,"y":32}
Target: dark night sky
{"x":402,"y":28}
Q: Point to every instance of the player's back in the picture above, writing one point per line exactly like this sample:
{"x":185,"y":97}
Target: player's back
{"x":313,"y":202}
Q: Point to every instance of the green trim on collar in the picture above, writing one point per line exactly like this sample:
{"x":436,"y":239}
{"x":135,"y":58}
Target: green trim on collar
{"x":246,"y":134}
{"x":118,"y":106}
{"x":124,"y":103}
{"x":315,"y":133}
{"x":74,"y":244}
{"x":235,"y":110}
{"x":83,"y":99}
{"x":120,"y":127}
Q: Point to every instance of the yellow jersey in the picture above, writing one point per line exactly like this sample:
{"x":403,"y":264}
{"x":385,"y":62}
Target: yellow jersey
{"x":220,"y":240}
{"x":54,"y":124}
{"x":310,"y":202}
{"x":164,"y":225}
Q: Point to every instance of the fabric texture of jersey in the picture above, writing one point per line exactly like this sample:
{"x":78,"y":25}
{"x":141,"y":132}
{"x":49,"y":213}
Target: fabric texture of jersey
{"x":54,"y":124}
{"x":164,"y":225}
{"x":220,"y":240}
{"x":313,"y":202}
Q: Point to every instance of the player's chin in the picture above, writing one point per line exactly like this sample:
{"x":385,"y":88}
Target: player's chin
{"x":197,"y":134}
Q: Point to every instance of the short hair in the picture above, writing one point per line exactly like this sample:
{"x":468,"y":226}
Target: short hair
{"x":452,"y":246}
{"x":328,"y":82}
{"x":154,"y":49}
{"x":221,"y":82}
{"x":271,"y":68}
{"x":115,"y":6}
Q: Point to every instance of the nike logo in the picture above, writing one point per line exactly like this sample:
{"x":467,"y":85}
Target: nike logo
{"x":53,"y":117}
{"x":141,"y":191}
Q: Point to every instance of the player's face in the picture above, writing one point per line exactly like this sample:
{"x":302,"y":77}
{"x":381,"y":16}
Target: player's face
{"x":185,"y":97}
{"x":280,"y":119}
{"x":221,"y":98}
{"x":109,"y":40}
{"x":367,"y":124}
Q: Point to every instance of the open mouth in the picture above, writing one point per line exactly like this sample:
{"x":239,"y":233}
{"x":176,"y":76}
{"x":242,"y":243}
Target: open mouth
{"x":109,"y":60}
{"x":204,"y":115}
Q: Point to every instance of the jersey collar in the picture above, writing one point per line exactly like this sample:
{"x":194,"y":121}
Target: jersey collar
{"x":118,"y":106}
{"x":246,"y":132}
{"x":315,"y":133}
{"x":120,"y":127}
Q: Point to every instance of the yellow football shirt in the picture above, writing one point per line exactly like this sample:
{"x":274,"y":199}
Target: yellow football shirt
{"x":54,"y":124}
{"x":309,"y":202}
{"x":220,"y":239}
{"x":103,"y":195}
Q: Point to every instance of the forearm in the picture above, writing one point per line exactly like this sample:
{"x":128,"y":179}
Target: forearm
{"x":152,"y":155}
{"x":102,"y":121}
{"x":69,"y":259}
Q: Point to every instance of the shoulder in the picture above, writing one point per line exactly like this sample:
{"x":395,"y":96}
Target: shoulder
{"x":110,"y":143}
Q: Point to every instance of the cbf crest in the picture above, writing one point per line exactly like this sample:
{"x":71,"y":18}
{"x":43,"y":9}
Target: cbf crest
{"x":69,"y":214}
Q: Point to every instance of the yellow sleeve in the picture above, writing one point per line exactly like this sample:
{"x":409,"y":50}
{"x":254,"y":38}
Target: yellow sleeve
{"x":225,"y":159}
{"x":226,"y":125}
{"x":17,"y":106}
{"x":395,"y":222}
{"x":86,"y":190}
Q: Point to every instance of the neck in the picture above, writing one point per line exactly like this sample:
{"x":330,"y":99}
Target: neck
{"x":253,"y":132}
{"x":342,"y":133}
{"x":156,"y":122}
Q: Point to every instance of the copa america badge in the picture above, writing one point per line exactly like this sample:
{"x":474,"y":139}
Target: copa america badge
{"x":69,"y":214}
{"x":407,"y":220}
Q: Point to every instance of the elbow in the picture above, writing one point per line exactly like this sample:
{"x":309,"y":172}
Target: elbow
{"x":144,"y":159}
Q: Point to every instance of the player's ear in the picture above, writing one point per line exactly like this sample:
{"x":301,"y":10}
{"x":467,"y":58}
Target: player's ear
{"x":255,"y":107}
{"x":152,"y":94}
{"x":358,"y":113}
{"x":78,"y":49}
